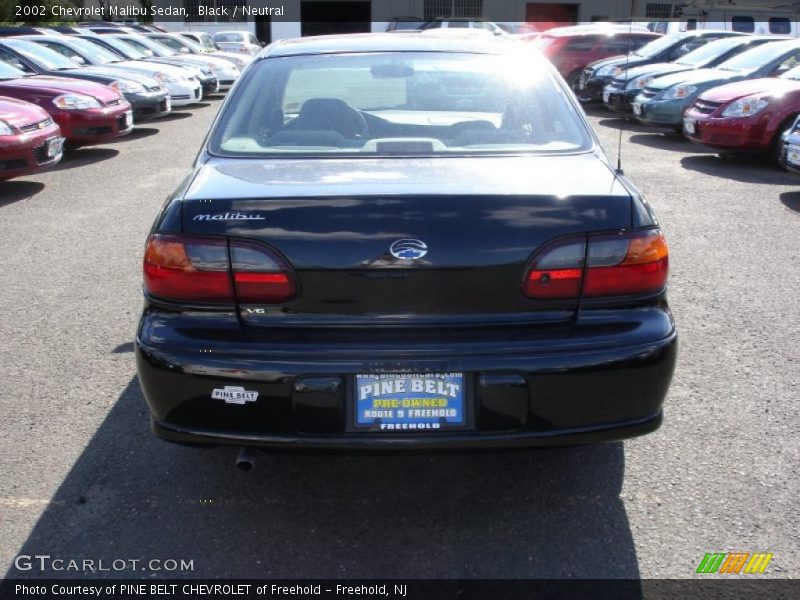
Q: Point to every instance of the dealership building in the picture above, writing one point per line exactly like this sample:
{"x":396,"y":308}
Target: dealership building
{"x":317,"y":17}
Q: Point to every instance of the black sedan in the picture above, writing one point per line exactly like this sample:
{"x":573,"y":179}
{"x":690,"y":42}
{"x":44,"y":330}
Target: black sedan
{"x":383,"y":244}
{"x":147,"y":97}
{"x":595,"y":77}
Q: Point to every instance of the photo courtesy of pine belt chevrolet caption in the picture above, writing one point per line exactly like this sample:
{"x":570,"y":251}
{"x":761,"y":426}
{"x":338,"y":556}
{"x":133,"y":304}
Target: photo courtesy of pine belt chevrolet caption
{"x":404,"y":241}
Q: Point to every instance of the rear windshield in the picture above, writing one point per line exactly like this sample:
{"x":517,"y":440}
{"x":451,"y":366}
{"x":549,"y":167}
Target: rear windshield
{"x":228,"y":37}
{"x":399,"y":104}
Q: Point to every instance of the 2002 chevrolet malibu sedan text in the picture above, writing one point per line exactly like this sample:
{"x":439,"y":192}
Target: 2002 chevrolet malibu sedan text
{"x":404,"y":241}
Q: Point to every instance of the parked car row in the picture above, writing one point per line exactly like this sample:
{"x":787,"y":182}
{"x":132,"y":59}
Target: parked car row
{"x":83,"y":87}
{"x":726,"y":90}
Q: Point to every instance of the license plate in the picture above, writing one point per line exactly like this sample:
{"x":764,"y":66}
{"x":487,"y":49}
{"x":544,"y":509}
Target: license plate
{"x":637,"y":109}
{"x":606,"y":95}
{"x":793,"y":154}
{"x":581,"y":83}
{"x":168,"y":104}
{"x":128,"y":120}
{"x":426,"y":402}
{"x":689,"y":125}
{"x":54,"y":147}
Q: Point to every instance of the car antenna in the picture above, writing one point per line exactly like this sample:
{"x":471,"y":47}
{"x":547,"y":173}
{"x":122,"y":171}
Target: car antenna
{"x":619,"y":170}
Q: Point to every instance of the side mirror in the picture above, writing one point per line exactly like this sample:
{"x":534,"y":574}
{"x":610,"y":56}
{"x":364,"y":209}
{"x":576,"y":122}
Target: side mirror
{"x":184,"y":50}
{"x":78,"y":59}
{"x":263,"y":44}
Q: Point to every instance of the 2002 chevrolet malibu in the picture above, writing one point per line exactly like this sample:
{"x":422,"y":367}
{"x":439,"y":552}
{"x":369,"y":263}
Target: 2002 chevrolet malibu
{"x":404,"y":241}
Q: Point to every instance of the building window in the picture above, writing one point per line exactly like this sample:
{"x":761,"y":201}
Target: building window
{"x":436,"y":9}
{"x":193,"y":11}
{"x":658,"y":11}
{"x":743,"y":24}
{"x":780,"y":25}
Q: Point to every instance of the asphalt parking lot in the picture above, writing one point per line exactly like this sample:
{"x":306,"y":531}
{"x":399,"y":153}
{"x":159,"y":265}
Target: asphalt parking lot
{"x":81,"y":477}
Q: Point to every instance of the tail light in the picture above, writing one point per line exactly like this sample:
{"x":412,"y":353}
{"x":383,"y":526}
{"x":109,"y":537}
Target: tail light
{"x":202,"y":270}
{"x":607,"y":265}
{"x":626,"y":264}
{"x":558,"y":271}
{"x":260,"y":276}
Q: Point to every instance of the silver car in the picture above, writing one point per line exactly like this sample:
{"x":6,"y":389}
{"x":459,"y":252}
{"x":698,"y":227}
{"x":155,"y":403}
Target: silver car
{"x":241,"y":42}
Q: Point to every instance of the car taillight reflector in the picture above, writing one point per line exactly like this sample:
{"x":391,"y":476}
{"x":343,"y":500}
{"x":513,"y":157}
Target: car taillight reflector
{"x":197,"y":270}
{"x":260,"y":275}
{"x":187,"y":269}
{"x":557,"y":272}
{"x":607,"y":265}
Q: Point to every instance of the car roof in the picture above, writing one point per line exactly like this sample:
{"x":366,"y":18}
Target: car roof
{"x":391,"y":42}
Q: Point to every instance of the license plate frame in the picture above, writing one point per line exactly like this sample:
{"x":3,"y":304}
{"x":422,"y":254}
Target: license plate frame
{"x":54,"y":147}
{"x":405,"y":409}
{"x":606,"y":96}
{"x":637,"y":109}
{"x":128,"y":120}
{"x":168,"y":104}
{"x":689,"y":126}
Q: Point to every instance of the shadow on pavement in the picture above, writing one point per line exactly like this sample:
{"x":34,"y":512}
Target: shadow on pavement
{"x":629,"y":125}
{"x":14,"y":191}
{"x":175,"y":116}
{"x":791,"y":200}
{"x":521,"y":514}
{"x":666,"y":140}
{"x":743,"y":168}
{"x":138,"y":133}
{"x":79,"y":157}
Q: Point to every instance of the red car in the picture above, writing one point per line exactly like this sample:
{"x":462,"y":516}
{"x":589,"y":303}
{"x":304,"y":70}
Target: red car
{"x":87,"y":112}
{"x":30,"y":140}
{"x":571,"y":49}
{"x":746,"y":116}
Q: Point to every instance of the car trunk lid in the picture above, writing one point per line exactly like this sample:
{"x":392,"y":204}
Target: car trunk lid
{"x":335,"y":221}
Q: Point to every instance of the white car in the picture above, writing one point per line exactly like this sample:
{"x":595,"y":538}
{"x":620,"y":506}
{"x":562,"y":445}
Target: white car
{"x":225,"y":72}
{"x":241,"y":42}
{"x":182,"y":45}
{"x":183,"y":87}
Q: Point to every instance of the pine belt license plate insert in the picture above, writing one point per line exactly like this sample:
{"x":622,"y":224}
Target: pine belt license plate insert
{"x":409,"y":402}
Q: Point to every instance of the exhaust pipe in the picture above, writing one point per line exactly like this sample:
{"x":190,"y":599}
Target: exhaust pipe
{"x":246,"y":461}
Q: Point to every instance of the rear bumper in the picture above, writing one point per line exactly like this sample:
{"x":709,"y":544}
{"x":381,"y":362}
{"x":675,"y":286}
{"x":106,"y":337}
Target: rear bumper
{"x":537,"y":394}
{"x":463,"y":441}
